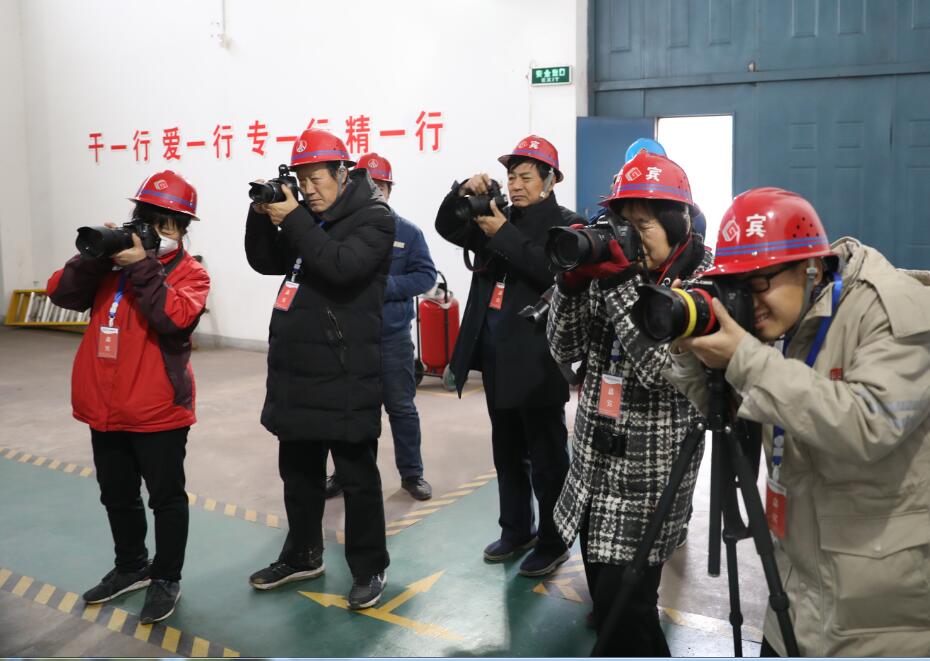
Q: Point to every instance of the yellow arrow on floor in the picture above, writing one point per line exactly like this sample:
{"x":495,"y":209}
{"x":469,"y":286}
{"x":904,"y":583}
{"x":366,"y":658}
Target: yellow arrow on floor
{"x":384,"y":613}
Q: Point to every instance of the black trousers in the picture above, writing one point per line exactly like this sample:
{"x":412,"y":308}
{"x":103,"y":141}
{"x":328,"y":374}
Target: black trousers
{"x":637,"y":632}
{"x":530,"y":447}
{"x":302,"y":466}
{"x":122,"y":461}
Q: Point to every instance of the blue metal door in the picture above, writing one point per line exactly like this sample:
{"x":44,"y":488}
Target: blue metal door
{"x":601,"y":147}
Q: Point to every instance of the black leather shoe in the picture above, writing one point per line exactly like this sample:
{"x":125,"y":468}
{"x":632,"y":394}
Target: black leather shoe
{"x":500,"y":550}
{"x":542,"y":563}
{"x":333,"y":488}
{"x":417,"y":487}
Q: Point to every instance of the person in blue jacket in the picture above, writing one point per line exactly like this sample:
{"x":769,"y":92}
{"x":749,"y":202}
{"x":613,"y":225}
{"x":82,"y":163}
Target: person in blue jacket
{"x":412,"y":273}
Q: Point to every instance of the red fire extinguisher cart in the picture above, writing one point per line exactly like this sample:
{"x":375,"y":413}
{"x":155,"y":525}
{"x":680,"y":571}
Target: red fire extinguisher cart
{"x":437,"y":330}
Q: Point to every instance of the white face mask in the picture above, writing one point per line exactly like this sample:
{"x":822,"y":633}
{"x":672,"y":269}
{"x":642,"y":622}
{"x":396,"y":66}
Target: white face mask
{"x":166,"y":245}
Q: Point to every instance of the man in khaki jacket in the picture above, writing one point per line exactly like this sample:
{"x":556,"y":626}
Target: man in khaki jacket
{"x":850,"y":448}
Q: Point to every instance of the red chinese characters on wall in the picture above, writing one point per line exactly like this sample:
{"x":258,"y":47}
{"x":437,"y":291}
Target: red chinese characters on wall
{"x":358,"y":133}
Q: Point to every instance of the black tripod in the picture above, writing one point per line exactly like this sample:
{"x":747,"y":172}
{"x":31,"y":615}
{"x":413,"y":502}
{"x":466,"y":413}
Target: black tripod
{"x":731,"y":469}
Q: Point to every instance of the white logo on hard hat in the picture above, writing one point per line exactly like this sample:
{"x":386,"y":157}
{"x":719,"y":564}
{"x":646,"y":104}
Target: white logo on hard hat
{"x":756,"y":225}
{"x":634,"y":173}
{"x":373,"y":163}
{"x":301,"y":146}
{"x":161,"y":184}
{"x":534,"y":144}
{"x":653,"y":174}
{"x":731,"y":230}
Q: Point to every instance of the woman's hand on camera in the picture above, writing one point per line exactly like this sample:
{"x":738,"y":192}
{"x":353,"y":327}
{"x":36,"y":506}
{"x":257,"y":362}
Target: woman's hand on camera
{"x":490,"y":224}
{"x":130,"y":255}
{"x":278,"y":211}
{"x":477,"y":185}
{"x":717,"y":349}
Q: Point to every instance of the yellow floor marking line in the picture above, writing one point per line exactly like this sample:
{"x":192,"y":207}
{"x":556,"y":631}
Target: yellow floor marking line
{"x":194,"y":500}
{"x":143,"y":631}
{"x":45,"y":593}
{"x":117,"y":620}
{"x":385,"y":614}
{"x":67,"y":602}
{"x":22,"y":585}
{"x":404,"y":521}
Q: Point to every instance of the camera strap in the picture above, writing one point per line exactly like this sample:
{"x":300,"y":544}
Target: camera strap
{"x":778,"y":436}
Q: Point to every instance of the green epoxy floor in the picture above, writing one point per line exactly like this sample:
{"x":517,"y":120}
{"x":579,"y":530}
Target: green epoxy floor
{"x":53,"y":530}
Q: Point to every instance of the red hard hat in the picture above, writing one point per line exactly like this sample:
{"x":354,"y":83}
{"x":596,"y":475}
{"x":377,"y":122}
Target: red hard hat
{"x":537,"y":148}
{"x":168,"y":190}
{"x":319,"y":146}
{"x":652,"y":177}
{"x":378,"y":167}
{"x":766,"y":226}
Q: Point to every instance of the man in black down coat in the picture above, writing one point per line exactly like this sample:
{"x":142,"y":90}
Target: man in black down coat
{"x":324,"y":357}
{"x":525,"y":391}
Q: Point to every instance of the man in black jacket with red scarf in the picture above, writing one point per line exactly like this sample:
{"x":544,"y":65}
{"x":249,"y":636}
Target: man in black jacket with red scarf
{"x":525,"y":391}
{"x":324,"y":357}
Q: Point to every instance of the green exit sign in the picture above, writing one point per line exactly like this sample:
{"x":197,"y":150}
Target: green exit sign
{"x":551,"y":76}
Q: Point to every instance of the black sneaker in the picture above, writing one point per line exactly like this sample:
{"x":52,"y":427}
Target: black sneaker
{"x":366,"y":591}
{"x":333,"y":488}
{"x":160,"y":600}
{"x":417,"y":487}
{"x":279,"y":573}
{"x":500,"y":550}
{"x":542,"y":563}
{"x":115,"y":583}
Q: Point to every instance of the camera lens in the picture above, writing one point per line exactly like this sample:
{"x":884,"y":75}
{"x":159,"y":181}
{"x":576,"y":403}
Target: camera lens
{"x":666,"y":314}
{"x":263,"y":193}
{"x":96,"y":242}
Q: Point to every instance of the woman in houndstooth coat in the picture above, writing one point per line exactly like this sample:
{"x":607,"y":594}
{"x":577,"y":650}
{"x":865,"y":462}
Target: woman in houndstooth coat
{"x":623,"y":447}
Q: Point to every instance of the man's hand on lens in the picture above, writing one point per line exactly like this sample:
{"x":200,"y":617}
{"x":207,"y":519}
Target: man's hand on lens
{"x":490,"y":224}
{"x":477,"y":185}
{"x":277,"y":211}
{"x":130,"y":255}
{"x":578,"y":278}
{"x":716,"y":350}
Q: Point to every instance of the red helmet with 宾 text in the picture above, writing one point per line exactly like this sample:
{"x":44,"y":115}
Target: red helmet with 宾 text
{"x":532,"y":146}
{"x":652,"y":177}
{"x":766,"y":226}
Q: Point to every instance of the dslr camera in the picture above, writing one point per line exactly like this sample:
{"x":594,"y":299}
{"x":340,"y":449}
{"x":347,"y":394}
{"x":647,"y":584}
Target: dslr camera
{"x":471,"y":206}
{"x":569,"y":248}
{"x":96,"y":242}
{"x":273,"y":190}
{"x":664,"y":314}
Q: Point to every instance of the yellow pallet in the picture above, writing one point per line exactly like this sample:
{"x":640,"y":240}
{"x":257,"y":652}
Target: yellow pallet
{"x":20,"y":311}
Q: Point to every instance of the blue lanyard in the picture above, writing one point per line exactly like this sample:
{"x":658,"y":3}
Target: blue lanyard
{"x":116,"y":299}
{"x":778,"y":437}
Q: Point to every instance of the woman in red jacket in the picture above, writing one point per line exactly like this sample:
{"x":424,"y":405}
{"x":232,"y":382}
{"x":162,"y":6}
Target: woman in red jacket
{"x":132,"y":384}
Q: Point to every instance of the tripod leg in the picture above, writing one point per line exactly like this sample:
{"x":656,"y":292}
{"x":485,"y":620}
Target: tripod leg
{"x":634,"y":571}
{"x":736,"y":615}
{"x":778,"y":599}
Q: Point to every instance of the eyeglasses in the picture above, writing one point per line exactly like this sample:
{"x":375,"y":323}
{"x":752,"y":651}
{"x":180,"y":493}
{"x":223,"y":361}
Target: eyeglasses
{"x":760,"y":283}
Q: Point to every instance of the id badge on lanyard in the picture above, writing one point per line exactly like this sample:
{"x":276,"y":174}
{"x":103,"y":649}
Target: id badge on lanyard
{"x":497,"y":298}
{"x":289,"y":289}
{"x":776,"y":494}
{"x":108,"y":338}
{"x":610,"y":402}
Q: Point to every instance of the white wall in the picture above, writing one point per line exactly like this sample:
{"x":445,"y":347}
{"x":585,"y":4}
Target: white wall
{"x":16,"y":265}
{"x":116,"y":66}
